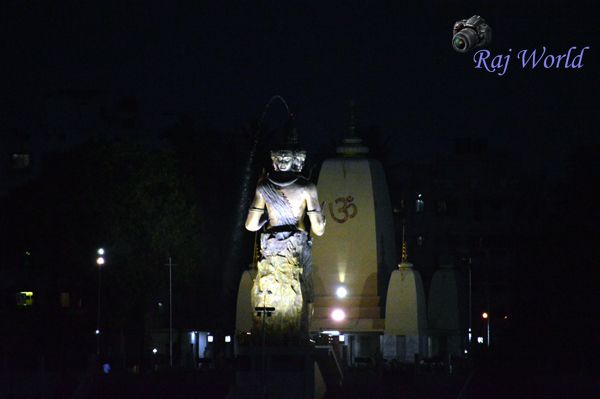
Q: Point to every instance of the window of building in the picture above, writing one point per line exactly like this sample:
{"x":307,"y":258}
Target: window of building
{"x":420,"y":204}
{"x":65,"y":299}
{"x":442,"y":207}
{"x":20,"y":160}
{"x":420,"y":241}
{"x":25,"y":298}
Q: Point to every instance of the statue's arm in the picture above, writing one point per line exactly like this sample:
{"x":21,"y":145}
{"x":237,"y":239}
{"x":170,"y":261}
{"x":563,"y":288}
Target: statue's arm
{"x":314,"y":211}
{"x":255,"y":221}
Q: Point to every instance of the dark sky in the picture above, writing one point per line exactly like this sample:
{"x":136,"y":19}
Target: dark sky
{"x":220,"y":65}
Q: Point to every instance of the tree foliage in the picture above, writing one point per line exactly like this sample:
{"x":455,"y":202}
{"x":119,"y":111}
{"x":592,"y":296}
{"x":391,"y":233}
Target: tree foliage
{"x":133,"y":201}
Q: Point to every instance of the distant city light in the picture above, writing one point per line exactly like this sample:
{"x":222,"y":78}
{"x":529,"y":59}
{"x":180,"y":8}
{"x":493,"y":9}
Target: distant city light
{"x":341,"y":292}
{"x":100,"y":260}
{"x":100,"y":251}
{"x":193,"y":337}
{"x":97,"y":332}
{"x":338,"y":315}
{"x":155,"y":351}
{"x":505,"y":317}
{"x":480,"y":340}
{"x":485,"y":315}
{"x":466,"y":351}
{"x":248,"y":333}
{"x":342,"y":338}
{"x":228,"y":338}
{"x":211,"y":338}
{"x":160,"y":304}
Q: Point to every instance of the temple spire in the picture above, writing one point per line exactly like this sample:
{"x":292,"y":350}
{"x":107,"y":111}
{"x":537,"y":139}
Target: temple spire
{"x":352,"y":130}
{"x":352,"y":144}
{"x":404,"y":258}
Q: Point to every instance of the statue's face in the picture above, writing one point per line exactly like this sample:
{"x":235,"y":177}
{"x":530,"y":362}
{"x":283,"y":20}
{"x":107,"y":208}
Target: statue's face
{"x":282,"y":160}
{"x":298,"y":162}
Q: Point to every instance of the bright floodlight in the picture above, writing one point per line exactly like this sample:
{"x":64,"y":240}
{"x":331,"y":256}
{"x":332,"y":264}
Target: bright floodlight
{"x":338,"y":315}
{"x":484,"y":315}
{"x":341,"y":292}
{"x":100,"y":260}
{"x":100,"y":251}
{"x":97,"y":332}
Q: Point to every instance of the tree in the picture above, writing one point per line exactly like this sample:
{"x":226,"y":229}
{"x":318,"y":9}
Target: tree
{"x":136,"y":203}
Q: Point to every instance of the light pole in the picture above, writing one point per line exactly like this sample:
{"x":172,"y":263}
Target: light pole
{"x":264,"y":311}
{"x":100,"y":263}
{"x":486,"y":317}
{"x":170,"y":264}
{"x":470,"y":306}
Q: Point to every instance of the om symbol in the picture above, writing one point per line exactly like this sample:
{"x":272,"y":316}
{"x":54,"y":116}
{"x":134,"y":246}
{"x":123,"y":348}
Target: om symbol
{"x":347,"y":210}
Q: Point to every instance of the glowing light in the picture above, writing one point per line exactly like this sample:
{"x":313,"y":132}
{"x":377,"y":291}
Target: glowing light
{"x":211,"y":338}
{"x":248,"y":333}
{"x":100,"y":261}
{"x":155,"y":351}
{"x":228,"y":338}
{"x":97,"y":332}
{"x":480,"y":340}
{"x":342,"y":338}
{"x":100,"y":251}
{"x":192,"y":337}
{"x":341,"y":292}
{"x":505,"y":317}
{"x":485,"y":315}
{"x":466,"y":351}
{"x":25,"y":298}
{"x":331,"y":332}
{"x":338,"y":315}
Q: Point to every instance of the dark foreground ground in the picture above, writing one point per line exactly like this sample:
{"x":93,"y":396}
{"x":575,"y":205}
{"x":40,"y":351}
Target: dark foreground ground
{"x":489,"y":379}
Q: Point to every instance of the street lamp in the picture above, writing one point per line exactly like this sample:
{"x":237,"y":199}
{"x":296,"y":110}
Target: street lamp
{"x":100,"y":262}
{"x":485,"y":316}
{"x":264,"y":311}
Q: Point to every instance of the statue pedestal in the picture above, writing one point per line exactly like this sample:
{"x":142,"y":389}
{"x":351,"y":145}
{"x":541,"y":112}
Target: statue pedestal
{"x":291,"y":372}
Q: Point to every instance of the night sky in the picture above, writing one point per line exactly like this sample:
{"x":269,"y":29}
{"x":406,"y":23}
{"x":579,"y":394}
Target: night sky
{"x":220,"y":65}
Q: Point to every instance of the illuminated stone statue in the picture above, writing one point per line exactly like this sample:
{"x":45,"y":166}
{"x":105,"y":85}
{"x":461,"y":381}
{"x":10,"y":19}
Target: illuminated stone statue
{"x":283,"y":279}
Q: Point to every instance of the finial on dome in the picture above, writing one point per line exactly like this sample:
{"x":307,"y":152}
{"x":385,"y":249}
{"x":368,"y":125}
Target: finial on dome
{"x":352,"y":144}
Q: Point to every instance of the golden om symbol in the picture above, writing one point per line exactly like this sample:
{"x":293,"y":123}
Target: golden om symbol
{"x":347,"y":209}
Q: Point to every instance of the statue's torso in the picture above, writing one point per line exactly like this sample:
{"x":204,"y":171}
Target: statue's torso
{"x":285,"y":201}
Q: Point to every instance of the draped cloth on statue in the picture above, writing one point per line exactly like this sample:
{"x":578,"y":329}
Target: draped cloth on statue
{"x":283,"y":280}
{"x":278,"y":203}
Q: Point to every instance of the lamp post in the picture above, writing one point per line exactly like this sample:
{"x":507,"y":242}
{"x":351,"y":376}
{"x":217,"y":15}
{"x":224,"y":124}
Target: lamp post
{"x":470,"y":307}
{"x":100,"y":262}
{"x":264,"y":311}
{"x":170,"y":264}
{"x":486,"y":317}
